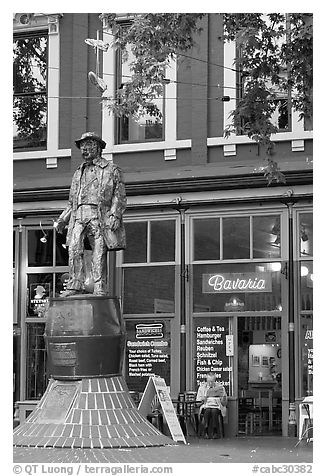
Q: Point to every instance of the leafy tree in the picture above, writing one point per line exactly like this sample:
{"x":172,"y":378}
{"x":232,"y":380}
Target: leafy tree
{"x":275,"y":54}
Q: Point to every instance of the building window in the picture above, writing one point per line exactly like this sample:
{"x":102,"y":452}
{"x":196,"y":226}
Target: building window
{"x":306,"y":234}
{"x":145,"y":128}
{"x":149,"y":267}
{"x":46,"y":277}
{"x":305,"y":304}
{"x":36,"y":379}
{"x":234,"y":287}
{"x":237,"y":237}
{"x":30,"y":90}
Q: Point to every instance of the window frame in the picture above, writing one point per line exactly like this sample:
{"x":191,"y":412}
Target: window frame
{"x":118,"y":120}
{"x":49,"y":23}
{"x":42,"y":33}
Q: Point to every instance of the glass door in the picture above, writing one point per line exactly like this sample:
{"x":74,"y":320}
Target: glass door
{"x":259,"y":375}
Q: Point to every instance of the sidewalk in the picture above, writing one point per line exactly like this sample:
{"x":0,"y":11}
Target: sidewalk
{"x":264,"y":449}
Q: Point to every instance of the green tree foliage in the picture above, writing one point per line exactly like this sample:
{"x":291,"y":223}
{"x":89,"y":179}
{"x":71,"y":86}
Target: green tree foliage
{"x":275,"y":54}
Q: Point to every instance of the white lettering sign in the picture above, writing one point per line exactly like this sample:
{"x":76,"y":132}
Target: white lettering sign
{"x":237,"y":282}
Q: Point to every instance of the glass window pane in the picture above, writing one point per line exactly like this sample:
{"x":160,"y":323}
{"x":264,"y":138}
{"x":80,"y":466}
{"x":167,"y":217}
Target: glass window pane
{"x":39,"y":289}
{"x":30,"y":121}
{"x":266,"y":236}
{"x":61,"y":250}
{"x":146,"y":127}
{"x":237,"y":287}
{"x":162,"y":240}
{"x":306,"y":279}
{"x":207,"y":239}
{"x":136,"y":234}
{"x":236,"y":236}
{"x":61,"y":280}
{"x":307,"y":356}
{"x":214,"y":329}
{"x":149,"y":290}
{"x":30,"y":93}
{"x":30,"y":63}
{"x":306,"y":234}
{"x":40,"y":253}
{"x":36,"y":379}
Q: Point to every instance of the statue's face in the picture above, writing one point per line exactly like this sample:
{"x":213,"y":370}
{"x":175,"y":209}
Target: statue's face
{"x":89,"y":149}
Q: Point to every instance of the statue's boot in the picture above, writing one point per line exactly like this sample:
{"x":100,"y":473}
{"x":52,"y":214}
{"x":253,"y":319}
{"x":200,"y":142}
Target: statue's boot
{"x":70,"y":292}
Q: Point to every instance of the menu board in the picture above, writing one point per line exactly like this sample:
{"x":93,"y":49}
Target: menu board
{"x":212,"y":350}
{"x":148,"y":351}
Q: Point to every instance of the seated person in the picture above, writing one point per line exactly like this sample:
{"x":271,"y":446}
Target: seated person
{"x":214,"y":398}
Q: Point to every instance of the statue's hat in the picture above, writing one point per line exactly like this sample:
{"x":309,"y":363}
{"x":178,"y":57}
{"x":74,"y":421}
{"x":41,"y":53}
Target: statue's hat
{"x":90,"y":135}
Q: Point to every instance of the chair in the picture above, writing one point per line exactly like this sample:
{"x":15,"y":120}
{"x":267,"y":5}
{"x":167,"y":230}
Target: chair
{"x":250,"y":415}
{"x":201,"y":426}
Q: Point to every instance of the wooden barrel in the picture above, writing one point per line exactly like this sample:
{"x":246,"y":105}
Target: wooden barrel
{"x":85,"y":337}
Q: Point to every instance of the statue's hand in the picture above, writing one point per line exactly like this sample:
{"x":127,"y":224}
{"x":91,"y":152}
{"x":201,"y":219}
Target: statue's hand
{"x":59,"y":226}
{"x":113,"y":223}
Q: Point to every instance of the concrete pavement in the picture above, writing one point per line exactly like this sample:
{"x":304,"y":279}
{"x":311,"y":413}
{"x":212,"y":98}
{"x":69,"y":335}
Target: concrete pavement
{"x":266,"y":449}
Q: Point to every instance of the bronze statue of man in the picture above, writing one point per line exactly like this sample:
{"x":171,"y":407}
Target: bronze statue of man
{"x":96,"y":204}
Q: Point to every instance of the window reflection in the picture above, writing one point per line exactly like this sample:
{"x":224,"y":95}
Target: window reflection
{"x":146,"y":127}
{"x":136,"y":234}
{"x":61,"y":250}
{"x":236,"y":238}
{"x":266,"y":236}
{"x":149,"y":289}
{"x":39,"y":289}
{"x":306,"y":234}
{"x":162,"y":240}
{"x":306,"y":279}
{"x":40,"y":253}
{"x":234,"y":287}
{"x":307,"y":357}
{"x":30,"y":93}
{"x":206,"y":239}
{"x":36,"y":379}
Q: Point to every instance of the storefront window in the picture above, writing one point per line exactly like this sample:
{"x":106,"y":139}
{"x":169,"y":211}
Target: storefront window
{"x":61,"y":250}
{"x":136,"y":251}
{"x":306,"y":234}
{"x":206,"y":239}
{"x":149,"y":289}
{"x":307,"y":356}
{"x":162,"y":241}
{"x":148,"y":350}
{"x":306,"y":326}
{"x":237,"y":287}
{"x":266,"y":236}
{"x":36,"y":379}
{"x":236,"y":238}
{"x":39,"y":289}
{"x":240,"y":239}
{"x":40,"y":248}
{"x":307,"y":281}
{"x":210,"y":335}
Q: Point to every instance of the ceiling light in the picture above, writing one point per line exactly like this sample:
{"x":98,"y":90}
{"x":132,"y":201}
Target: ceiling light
{"x":304,"y":271}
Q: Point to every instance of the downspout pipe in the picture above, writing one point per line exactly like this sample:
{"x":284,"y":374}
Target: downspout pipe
{"x":290,"y":201}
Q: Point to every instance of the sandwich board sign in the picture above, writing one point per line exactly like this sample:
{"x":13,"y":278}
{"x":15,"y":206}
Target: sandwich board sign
{"x":157,"y":386}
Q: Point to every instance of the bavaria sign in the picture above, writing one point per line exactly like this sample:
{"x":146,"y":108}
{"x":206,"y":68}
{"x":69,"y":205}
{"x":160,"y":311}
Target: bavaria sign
{"x":237,"y":282}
